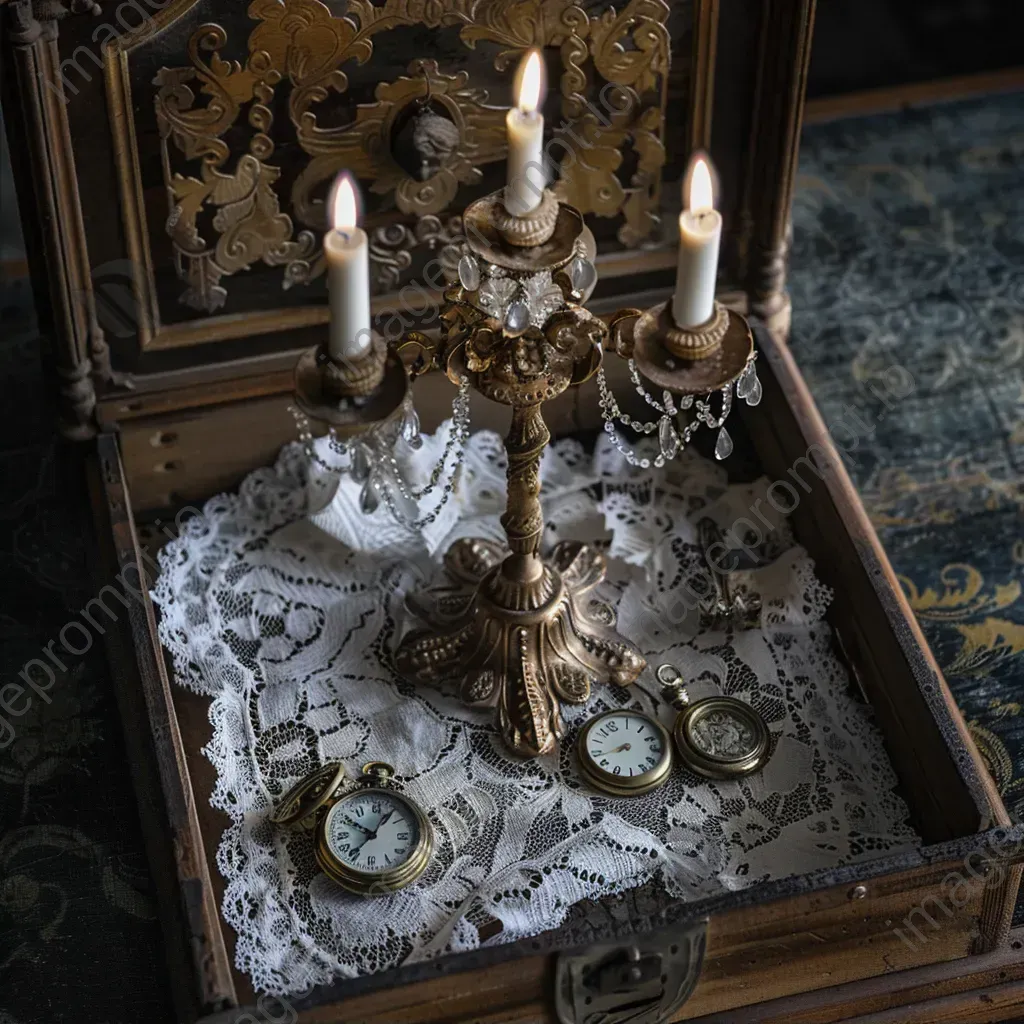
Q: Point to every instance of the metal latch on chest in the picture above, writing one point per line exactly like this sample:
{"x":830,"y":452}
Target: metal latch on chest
{"x":643,"y":981}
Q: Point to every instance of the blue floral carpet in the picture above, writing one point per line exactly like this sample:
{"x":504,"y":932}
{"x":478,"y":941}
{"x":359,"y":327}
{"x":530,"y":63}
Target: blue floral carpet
{"x":908,"y":291}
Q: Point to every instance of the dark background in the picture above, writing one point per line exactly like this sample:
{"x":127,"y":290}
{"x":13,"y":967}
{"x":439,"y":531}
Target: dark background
{"x":867,"y":44}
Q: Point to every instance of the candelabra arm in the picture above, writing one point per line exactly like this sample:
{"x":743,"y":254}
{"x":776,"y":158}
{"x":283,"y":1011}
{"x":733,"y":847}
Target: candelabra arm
{"x":620,"y":332}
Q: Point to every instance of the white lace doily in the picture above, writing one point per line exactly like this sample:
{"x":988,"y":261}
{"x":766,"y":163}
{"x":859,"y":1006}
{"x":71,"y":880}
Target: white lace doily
{"x":288,"y":631}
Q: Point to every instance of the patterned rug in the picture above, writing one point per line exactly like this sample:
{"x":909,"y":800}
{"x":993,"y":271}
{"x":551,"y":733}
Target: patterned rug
{"x":908,"y":286}
{"x":908,"y":298}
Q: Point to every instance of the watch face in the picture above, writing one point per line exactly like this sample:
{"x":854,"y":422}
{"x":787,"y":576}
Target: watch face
{"x":624,"y":752}
{"x":373,"y":831}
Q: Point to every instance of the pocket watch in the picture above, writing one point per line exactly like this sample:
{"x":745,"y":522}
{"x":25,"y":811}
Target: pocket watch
{"x":369,"y":838}
{"x":717,"y":737}
{"x":624,"y":753}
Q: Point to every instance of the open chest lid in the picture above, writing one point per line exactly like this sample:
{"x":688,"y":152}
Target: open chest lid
{"x":172,"y":163}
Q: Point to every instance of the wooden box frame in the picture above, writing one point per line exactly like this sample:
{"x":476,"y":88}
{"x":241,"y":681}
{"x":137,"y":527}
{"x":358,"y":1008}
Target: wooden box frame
{"x":815,"y":948}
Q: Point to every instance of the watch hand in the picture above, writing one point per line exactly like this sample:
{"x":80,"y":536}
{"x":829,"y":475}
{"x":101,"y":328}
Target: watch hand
{"x":355,"y":824}
{"x":618,"y":750}
{"x":376,"y":828}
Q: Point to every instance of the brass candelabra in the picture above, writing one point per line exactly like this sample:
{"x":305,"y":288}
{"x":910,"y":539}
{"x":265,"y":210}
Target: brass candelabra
{"x":526,"y":636}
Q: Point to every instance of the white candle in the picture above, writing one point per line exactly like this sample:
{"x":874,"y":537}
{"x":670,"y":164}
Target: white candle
{"x":525,"y":123}
{"x":700,"y":234}
{"x":347,"y":253}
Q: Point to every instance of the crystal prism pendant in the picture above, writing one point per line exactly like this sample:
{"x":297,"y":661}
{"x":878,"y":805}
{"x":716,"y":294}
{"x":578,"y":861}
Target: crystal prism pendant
{"x":755,"y":392}
{"x":668,"y":439}
{"x":361,"y":466}
{"x":411,"y":429}
{"x":743,"y":381}
{"x":469,"y":273}
{"x":582,"y":275}
{"x":517,"y":317}
{"x":723,"y":446}
{"x":405,"y":505}
{"x":369,"y":497}
{"x":748,"y":387}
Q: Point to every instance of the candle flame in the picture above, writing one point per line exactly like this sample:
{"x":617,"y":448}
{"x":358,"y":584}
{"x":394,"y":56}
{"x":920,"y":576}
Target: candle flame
{"x":344,"y":205}
{"x":531,"y":77}
{"x":701,"y":195}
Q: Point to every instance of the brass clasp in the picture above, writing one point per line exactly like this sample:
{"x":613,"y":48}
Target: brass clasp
{"x":644,"y":982}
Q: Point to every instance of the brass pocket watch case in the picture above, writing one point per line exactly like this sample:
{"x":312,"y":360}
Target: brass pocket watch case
{"x":624,"y":753}
{"x":368,"y":838}
{"x":716,"y":737}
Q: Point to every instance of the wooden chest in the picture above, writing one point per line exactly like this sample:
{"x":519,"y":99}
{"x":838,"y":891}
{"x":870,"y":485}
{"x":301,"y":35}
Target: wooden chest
{"x":834,"y":945}
{"x":172,"y":162}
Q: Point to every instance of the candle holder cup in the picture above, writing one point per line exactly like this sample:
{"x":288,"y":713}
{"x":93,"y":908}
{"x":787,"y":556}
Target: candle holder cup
{"x":688,"y":361}
{"x":351,"y":395}
{"x":523,"y":230}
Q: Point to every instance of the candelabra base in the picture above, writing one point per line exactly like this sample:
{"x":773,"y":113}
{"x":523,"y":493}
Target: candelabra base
{"x":523,"y":640}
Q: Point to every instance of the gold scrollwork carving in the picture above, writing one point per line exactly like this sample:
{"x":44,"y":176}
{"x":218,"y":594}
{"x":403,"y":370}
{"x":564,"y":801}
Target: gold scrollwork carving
{"x":451,"y":131}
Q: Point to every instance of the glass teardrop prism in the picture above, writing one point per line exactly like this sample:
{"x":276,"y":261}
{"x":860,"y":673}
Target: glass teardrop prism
{"x":517,"y":317}
{"x":748,"y":387}
{"x":723,"y":446}
{"x":411,"y":429}
{"x":582,"y":274}
{"x":361,"y":465}
{"x":668,"y":439}
{"x":369,"y":497}
{"x":469,"y":273}
{"x":406,"y":506}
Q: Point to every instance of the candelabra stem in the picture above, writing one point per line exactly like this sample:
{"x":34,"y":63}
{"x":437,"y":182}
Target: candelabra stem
{"x":523,"y":520}
{"x":526,"y":639}
{"x":529,"y":634}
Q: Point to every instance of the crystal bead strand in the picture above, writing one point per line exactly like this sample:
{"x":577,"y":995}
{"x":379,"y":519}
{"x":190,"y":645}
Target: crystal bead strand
{"x":306,"y":439}
{"x":669,"y":406}
{"x":670,"y":442}
{"x":457,"y":436}
{"x":611,"y":412}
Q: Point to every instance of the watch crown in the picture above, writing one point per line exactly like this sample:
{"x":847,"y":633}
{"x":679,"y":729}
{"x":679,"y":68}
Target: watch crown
{"x":674,"y":688}
{"x":377,"y":773}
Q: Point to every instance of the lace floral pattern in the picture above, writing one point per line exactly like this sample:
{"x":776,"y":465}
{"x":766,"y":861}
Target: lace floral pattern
{"x":289,"y":632}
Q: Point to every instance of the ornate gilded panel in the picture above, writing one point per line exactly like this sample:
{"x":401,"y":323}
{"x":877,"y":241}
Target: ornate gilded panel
{"x":261,"y":112}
